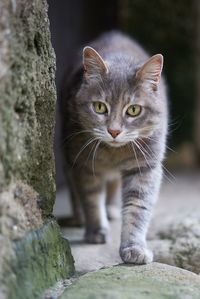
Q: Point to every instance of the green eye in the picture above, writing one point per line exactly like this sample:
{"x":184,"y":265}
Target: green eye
{"x":100,"y":107}
{"x":134,"y":110}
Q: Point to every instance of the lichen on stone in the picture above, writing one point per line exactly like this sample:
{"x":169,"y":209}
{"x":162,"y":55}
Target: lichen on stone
{"x":27,"y":172}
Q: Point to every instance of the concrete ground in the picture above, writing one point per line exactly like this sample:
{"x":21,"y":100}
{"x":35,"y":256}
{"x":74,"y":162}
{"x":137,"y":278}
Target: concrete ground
{"x":178,"y":199}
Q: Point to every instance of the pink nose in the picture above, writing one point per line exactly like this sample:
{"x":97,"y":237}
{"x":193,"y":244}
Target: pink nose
{"x":114,"y":133}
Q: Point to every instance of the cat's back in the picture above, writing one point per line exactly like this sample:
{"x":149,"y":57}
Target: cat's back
{"x":117,"y":43}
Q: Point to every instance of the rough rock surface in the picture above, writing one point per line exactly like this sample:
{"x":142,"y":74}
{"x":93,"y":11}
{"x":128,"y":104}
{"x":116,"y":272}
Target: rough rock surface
{"x":179,"y":244}
{"x":43,"y":257}
{"x":27,"y":188}
{"x":153,"y":281}
{"x":27,"y":99}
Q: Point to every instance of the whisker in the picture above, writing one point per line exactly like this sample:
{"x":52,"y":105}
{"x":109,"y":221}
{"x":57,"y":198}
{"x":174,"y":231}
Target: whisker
{"x":97,"y":130}
{"x":93,"y":160}
{"x":156,"y":140}
{"x":177,"y":122}
{"x":136,"y":158}
{"x":82,"y":149}
{"x":139,"y":147}
{"x":165,"y":175}
{"x":92,"y":148}
{"x":154,"y":157}
{"x":73,"y":135}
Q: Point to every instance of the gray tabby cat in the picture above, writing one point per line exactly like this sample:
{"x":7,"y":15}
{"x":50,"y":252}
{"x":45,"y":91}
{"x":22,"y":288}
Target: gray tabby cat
{"x":115,"y":130}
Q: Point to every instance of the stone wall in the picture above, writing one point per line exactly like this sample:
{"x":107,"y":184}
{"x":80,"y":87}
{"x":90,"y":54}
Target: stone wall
{"x":27,"y":98}
{"x":27,"y":177}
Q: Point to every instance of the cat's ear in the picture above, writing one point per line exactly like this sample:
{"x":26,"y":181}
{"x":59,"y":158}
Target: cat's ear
{"x":93,"y":63}
{"x":151,"y":70}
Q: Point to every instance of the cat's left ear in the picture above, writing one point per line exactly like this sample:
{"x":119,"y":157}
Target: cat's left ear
{"x":151,"y":70}
{"x":93,"y":63}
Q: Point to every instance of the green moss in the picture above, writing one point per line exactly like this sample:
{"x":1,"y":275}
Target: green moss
{"x":42,"y":258}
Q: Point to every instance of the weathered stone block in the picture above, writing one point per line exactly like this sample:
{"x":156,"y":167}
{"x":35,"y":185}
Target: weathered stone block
{"x":32,"y":253}
{"x":153,"y":281}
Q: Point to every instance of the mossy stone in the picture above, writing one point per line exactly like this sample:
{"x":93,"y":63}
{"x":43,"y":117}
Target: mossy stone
{"x":42,"y":258}
{"x":153,"y":281}
{"x":33,"y":256}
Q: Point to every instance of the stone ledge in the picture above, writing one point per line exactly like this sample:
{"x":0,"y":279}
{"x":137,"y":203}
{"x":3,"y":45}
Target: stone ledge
{"x":153,"y":281}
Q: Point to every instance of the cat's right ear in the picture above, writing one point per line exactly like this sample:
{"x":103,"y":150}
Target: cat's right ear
{"x":93,"y":63}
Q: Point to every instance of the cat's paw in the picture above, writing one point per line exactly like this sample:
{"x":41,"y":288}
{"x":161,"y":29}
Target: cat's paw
{"x":136,"y":254}
{"x":98,"y":236}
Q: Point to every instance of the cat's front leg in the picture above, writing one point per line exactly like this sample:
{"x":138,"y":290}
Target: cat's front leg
{"x":92,"y":192}
{"x":140,"y":191}
{"x":113,"y":189}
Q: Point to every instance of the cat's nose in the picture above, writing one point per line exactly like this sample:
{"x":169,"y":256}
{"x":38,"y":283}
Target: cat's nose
{"x":114,"y":133}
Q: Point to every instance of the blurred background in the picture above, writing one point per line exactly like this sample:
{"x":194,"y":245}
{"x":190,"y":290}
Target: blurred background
{"x":168,"y":27}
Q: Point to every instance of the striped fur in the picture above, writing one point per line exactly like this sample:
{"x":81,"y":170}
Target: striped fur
{"x":100,"y":171}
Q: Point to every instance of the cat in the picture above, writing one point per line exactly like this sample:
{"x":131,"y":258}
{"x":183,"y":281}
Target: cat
{"x":115,"y":125}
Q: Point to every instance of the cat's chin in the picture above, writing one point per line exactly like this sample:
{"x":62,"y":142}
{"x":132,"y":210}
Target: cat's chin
{"x":116,"y":144}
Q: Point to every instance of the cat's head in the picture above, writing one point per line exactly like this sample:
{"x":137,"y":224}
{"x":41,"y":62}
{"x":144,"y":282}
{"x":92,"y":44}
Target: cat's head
{"x":118,"y":101}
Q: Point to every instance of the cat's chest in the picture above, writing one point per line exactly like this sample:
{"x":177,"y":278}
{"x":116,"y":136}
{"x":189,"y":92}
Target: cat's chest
{"x":114,"y":159}
{"x":101,"y":158}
